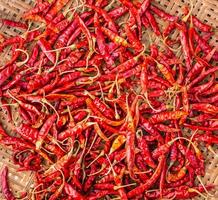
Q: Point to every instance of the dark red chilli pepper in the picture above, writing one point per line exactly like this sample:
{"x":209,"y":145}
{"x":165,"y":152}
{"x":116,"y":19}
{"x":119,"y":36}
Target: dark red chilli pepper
{"x":44,"y":130}
{"x":6,"y":73}
{"x":46,"y":48}
{"x":152,"y":22}
{"x":169,"y":29}
{"x":4,"y":185}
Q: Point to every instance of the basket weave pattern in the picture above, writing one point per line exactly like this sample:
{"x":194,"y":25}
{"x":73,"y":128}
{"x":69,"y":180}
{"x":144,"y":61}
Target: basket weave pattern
{"x":205,"y":10}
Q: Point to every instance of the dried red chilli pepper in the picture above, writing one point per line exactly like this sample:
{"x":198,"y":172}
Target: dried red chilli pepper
{"x":163,"y":14}
{"x":200,"y":25}
{"x":45,"y":46}
{"x":44,"y":130}
{"x":152,"y":22}
{"x":184,"y":42}
{"x":114,"y":37}
{"x":58,"y":5}
{"x":146,"y":155}
{"x":140,"y":189}
{"x":4,"y":185}
{"x":11,"y":23}
{"x":156,"y":118}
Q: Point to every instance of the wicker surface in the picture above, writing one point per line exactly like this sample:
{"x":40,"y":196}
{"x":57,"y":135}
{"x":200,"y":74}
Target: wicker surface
{"x":206,"y":10}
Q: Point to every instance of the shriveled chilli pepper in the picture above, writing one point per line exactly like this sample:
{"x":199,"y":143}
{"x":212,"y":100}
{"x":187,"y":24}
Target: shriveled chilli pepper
{"x":185,"y":46}
{"x":44,"y":130}
{"x":59,"y":4}
{"x":166,"y":73}
{"x":163,"y":14}
{"x":153,"y":22}
{"x":6,"y":73}
{"x":205,"y":107}
{"x":114,"y":37}
{"x":200,"y":25}
{"x":45,"y":46}
{"x":72,"y":192}
{"x":140,"y":189}
{"x":4,"y":185}
{"x":146,"y":155}
{"x":164,"y":116}
{"x":13,"y":23}
{"x":103,"y":118}
{"x":27,"y":132}
{"x":37,"y":9}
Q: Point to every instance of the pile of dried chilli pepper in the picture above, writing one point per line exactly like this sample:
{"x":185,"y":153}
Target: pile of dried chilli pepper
{"x":106,"y":112}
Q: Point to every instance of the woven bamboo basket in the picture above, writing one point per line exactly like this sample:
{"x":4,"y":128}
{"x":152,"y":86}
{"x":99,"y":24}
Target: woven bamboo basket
{"x":205,"y":10}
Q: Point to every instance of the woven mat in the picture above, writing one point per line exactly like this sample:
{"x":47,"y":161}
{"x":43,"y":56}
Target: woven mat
{"x":206,"y":10}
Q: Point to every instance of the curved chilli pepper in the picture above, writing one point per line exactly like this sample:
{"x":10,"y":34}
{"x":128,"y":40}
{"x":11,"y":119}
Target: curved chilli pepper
{"x":99,"y":114}
{"x":117,"y":143}
{"x":140,"y":189}
{"x":212,"y":90}
{"x":146,"y":155}
{"x":145,"y":124}
{"x":167,"y":115}
{"x":4,"y":185}
{"x":103,"y":48}
{"x":44,"y":130}
{"x":127,"y":64}
{"x":104,"y":14}
{"x":115,"y":37}
{"x":136,"y":44}
{"x":46,"y":47}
